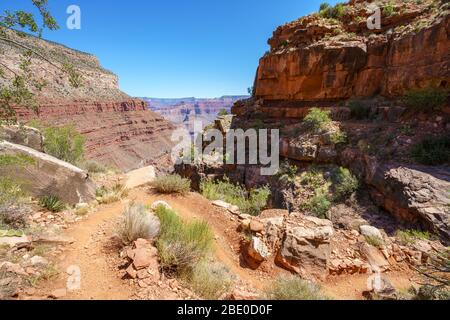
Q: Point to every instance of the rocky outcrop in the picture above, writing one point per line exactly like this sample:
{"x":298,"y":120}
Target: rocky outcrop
{"x":306,"y":245}
{"x":46,"y":175}
{"x":415,"y":195}
{"x":23,"y":135}
{"x":121,"y":132}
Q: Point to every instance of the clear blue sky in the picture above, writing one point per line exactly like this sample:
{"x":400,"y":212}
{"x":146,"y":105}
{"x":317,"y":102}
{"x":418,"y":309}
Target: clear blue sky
{"x":176,"y":48}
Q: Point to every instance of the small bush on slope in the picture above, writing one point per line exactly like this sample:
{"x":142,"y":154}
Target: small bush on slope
{"x":432,"y":151}
{"x":64,"y":143}
{"x":318,"y":119}
{"x":249,"y":202}
{"x":110,"y":195}
{"x":138,"y":223}
{"x":427,"y":99}
{"x":294,"y":288}
{"x":52,"y":203}
{"x":181,"y":245}
{"x":344,"y":183}
{"x":210,"y":280}
{"x":172,"y":184}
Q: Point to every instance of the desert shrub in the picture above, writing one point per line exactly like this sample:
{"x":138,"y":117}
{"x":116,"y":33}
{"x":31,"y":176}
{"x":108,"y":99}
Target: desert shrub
{"x":427,"y":99}
{"x":432,"y":151}
{"x":374,"y":241}
{"x":92,"y":166}
{"x":20,"y":160}
{"x":338,"y":137}
{"x":313,"y":178}
{"x":249,"y":202}
{"x":324,"y":6}
{"x":15,"y":215}
{"x":10,"y":191}
{"x":138,"y":223}
{"x":329,"y":12}
{"x":181,"y":245}
{"x":172,"y":184}
{"x":294,"y":288}
{"x":388,"y":9}
{"x":210,"y":280}
{"x":64,"y":143}
{"x":287,"y":172}
{"x":411,"y":236}
{"x":52,"y":203}
{"x":319,"y":204}
{"x":358,"y":110}
{"x":318,"y":119}
{"x":116,"y":193}
{"x":436,"y":277}
{"x":344,"y":183}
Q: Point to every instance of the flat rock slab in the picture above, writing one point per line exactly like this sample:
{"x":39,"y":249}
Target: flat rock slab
{"x":13,"y":241}
{"x":140,"y":177}
{"x":48,"y":175}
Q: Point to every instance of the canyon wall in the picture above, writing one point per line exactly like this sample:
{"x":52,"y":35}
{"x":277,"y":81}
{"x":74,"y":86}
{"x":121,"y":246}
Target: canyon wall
{"x":339,"y":65}
{"x":324,"y":60}
{"x":120,"y":130}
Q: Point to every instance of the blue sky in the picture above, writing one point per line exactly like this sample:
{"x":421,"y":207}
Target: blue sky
{"x":175,"y":48}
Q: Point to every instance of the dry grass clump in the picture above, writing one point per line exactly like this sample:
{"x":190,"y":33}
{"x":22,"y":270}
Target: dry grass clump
{"x":173,"y":183}
{"x":138,"y":223}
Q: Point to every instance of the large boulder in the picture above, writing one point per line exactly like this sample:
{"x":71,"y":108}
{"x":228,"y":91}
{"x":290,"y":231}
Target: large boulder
{"x":48,"y":175}
{"x":306,"y":246}
{"x":414,"y":194}
{"x":23,"y":135}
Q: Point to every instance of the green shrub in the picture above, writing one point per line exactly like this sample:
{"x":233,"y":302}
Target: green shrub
{"x":313,"y":178}
{"x":358,"y":110}
{"x":324,"y":6}
{"x":249,"y":202}
{"x":294,"y":288}
{"x":411,"y":236}
{"x":92,"y":166}
{"x":10,"y":191}
{"x":426,"y":100}
{"x":110,"y":195}
{"x":172,"y":184}
{"x":64,"y":143}
{"x":287,"y":172}
{"x":388,"y":9}
{"x":319,"y":204}
{"x":329,"y":12}
{"x":344,"y":183}
{"x":181,"y":245}
{"x":338,"y":137}
{"x":210,"y":280}
{"x":138,"y":223}
{"x":375,"y":241}
{"x":432,"y":151}
{"x":20,"y":160}
{"x":318,"y":119}
{"x":52,"y":203}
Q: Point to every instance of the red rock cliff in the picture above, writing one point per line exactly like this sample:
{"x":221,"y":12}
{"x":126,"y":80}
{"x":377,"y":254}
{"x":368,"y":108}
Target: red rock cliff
{"x":317,"y":58}
{"x":120,"y":130}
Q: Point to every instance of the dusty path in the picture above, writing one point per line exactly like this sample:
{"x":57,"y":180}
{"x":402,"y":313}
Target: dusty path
{"x":100,"y":279}
{"x":97,"y":280}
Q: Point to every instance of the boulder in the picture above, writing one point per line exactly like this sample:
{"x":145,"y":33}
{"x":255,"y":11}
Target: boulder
{"x":257,"y":252}
{"x":49,"y":176}
{"x":374,"y":257}
{"x":23,"y":135}
{"x":372,"y":232}
{"x":14,"y":241}
{"x":306,"y":246}
{"x":413,"y":194}
{"x":380,"y":288}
